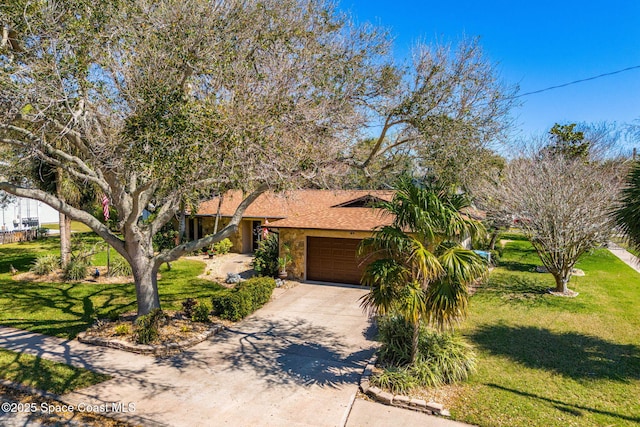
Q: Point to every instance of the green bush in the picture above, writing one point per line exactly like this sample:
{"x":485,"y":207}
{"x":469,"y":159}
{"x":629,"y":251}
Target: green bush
{"x":448,"y":355}
{"x":239,"y":302}
{"x":188,"y":306}
{"x":45,"y":264}
{"x":230,"y":305}
{"x":443,"y":358}
{"x":397,"y":380}
{"x":265,"y":261}
{"x":495,"y":257}
{"x":118,"y":266}
{"x":147,"y":326}
{"x":201,"y":312}
{"x":223,"y":246}
{"x":122,"y":329}
{"x":396,"y":335}
{"x":76,"y":269}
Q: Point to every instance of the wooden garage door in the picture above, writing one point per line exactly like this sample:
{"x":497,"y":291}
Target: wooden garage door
{"x":333,"y":260}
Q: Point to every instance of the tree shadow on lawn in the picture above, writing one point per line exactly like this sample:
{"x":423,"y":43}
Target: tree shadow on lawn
{"x":570,"y":354}
{"x":20,"y":258}
{"x":68,"y":308}
{"x":575,"y":410}
{"x":291,"y":351}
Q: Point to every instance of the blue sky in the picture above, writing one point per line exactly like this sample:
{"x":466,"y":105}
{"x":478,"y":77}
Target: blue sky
{"x":536,"y":44}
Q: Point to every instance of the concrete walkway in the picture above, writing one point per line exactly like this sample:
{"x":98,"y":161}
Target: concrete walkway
{"x":296,"y":362}
{"x":627,"y":257}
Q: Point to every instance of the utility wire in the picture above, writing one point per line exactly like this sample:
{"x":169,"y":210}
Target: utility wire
{"x":577,"y":81}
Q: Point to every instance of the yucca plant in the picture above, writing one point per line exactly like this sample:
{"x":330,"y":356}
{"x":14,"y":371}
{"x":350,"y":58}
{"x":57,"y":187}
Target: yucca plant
{"x":45,"y":264}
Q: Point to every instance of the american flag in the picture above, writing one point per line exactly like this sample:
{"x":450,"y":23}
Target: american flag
{"x":105,"y":207}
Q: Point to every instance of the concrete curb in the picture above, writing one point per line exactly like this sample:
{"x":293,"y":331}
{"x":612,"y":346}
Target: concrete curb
{"x":398,"y":400}
{"x":155,"y":349}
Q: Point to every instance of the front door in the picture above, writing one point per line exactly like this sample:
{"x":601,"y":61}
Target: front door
{"x":256,"y":229}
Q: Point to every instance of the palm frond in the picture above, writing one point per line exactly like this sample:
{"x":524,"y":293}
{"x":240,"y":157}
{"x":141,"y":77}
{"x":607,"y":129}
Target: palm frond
{"x":627,"y":214}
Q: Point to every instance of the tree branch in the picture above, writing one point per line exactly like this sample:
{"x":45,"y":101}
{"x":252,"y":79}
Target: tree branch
{"x":180,"y":250}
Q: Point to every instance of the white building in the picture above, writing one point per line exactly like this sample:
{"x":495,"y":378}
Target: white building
{"x":25,"y":213}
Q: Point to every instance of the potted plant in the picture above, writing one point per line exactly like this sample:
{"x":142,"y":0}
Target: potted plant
{"x":211,"y":252}
{"x":283,"y":262}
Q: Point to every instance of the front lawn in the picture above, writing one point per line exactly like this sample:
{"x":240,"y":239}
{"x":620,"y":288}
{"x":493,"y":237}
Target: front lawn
{"x":65,"y":309}
{"x":45,"y":375}
{"x":551,"y":361}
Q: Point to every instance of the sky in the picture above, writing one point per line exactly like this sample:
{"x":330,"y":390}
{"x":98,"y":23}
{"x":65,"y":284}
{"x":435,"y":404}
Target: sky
{"x":535,"y":44}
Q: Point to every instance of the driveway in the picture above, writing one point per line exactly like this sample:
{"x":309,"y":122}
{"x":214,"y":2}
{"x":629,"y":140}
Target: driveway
{"x":295,"y":362}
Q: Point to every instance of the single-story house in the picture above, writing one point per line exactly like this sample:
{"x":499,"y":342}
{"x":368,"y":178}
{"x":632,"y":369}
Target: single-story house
{"x":322,"y":228}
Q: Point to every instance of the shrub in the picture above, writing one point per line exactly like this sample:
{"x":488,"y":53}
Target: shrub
{"x":76,"y":269}
{"x":147,"y":326}
{"x":495,"y":257}
{"x":258,"y":289}
{"x":448,"y":355}
{"x":265,"y":261}
{"x":397,"y":380}
{"x":188,"y":306}
{"x":396,"y":335}
{"x":201,"y":313}
{"x":122,"y":329}
{"x":45,"y":264}
{"x":230,"y":305}
{"x":223,"y":246}
{"x":119,"y":267}
{"x":443,"y":358}
{"x":239,"y":302}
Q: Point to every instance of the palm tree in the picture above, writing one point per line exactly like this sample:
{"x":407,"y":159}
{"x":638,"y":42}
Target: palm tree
{"x":420,"y":270}
{"x":627,"y":214}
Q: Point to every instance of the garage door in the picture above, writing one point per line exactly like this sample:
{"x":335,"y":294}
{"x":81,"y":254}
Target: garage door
{"x":333,"y":260}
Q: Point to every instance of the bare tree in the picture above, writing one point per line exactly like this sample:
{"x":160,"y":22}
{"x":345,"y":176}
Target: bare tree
{"x":160,"y":102}
{"x":443,"y":109}
{"x":562,"y":205}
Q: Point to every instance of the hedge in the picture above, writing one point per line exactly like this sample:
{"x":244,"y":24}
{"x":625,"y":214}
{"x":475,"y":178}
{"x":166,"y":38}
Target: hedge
{"x":242,"y":300}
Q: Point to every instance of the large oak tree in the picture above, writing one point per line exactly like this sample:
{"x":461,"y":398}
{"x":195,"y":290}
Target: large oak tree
{"x":157,"y":103}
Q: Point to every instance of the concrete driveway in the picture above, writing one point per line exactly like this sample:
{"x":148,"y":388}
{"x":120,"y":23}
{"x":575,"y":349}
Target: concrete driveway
{"x":296,"y":362}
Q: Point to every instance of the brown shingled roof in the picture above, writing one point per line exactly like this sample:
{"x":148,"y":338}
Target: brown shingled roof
{"x":352,"y":219}
{"x":305,"y":209}
{"x":291,"y":204}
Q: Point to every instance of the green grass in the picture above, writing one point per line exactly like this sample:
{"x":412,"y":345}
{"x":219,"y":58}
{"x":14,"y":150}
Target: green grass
{"x":65,"y":309}
{"x":45,"y":375}
{"x":551,"y":361}
{"x":76,"y":227}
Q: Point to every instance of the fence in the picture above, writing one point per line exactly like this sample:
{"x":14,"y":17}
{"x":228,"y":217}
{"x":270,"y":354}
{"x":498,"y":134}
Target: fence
{"x":17,"y":236}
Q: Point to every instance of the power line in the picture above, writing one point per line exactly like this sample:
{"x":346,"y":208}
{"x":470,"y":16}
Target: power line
{"x":578,"y":81}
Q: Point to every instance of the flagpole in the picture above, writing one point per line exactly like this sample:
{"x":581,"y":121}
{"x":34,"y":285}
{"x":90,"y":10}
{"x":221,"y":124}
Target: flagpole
{"x":105,"y":213}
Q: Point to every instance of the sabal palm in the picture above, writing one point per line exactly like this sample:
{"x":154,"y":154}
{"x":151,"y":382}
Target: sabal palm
{"x":419,"y":269}
{"x":627,"y":215}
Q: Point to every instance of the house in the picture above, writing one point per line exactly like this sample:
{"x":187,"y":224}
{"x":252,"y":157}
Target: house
{"x":21,"y":213}
{"x":322,"y":228}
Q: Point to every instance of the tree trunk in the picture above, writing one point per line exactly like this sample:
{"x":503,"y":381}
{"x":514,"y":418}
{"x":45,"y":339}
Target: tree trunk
{"x":562,"y":281}
{"x":414,"y":341}
{"x":65,"y":239}
{"x":494,"y":238}
{"x":145,"y":275}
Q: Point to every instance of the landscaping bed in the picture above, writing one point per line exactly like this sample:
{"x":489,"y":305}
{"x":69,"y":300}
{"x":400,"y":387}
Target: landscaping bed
{"x":175,"y":334}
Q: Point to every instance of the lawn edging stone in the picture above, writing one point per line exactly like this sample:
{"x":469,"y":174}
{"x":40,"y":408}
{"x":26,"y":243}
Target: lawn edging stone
{"x":154,"y":349}
{"x":397,"y":400}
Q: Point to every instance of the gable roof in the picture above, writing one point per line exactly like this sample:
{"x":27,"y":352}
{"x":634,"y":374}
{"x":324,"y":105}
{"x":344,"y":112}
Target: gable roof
{"x":317,"y":209}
